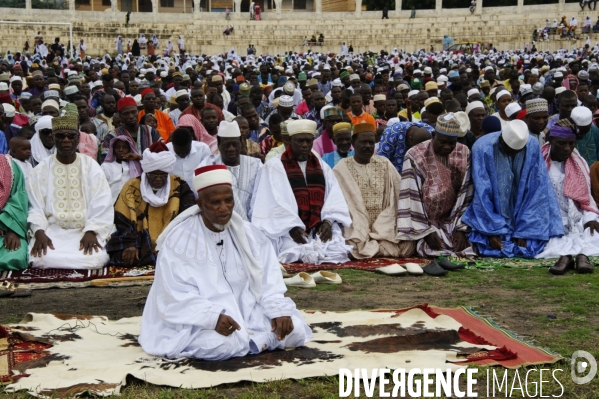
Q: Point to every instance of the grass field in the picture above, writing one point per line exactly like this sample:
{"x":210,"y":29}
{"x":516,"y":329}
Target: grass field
{"x":559,"y":313}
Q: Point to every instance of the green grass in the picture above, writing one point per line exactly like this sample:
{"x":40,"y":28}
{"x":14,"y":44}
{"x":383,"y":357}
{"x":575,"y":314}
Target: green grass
{"x":534,"y":294}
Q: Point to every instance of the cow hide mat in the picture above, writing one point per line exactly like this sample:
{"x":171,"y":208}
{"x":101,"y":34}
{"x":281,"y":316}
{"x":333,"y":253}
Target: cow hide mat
{"x":95,"y":355}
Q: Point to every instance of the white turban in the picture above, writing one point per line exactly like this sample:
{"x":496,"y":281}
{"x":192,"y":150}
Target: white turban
{"x":45,"y":122}
{"x":152,"y":161}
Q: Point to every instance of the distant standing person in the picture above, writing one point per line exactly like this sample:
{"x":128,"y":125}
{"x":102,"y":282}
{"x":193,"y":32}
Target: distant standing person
{"x":181,"y":43}
{"x":127,"y":18}
{"x":472,"y":7}
{"x":385,"y":13}
{"x":252,"y":16}
{"x":413,"y":14}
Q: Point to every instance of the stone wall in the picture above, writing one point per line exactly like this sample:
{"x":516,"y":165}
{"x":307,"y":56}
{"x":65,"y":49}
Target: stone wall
{"x":506,"y":27}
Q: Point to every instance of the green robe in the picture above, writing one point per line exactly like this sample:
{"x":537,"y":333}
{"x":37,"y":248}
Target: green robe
{"x":13,"y":217}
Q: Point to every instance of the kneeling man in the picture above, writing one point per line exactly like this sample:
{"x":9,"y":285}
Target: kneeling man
{"x":436,"y":190}
{"x":299,"y":204}
{"x":70,"y":205}
{"x":233,"y":304}
{"x":569,"y":174}
{"x":370,"y":184}
{"x":514,"y":211}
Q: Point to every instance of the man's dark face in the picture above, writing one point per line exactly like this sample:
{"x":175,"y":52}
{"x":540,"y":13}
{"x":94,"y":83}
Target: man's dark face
{"x":84,"y":89}
{"x":129,"y":116}
{"x":561,"y":148}
{"x":66,"y":142}
{"x":38,"y":81}
{"x":330,"y":121}
{"x":364,"y":146}
{"x":182,"y":151}
{"x":82,"y":108}
{"x":301,"y":145}
{"x":230,"y":149}
{"x":343,"y":142}
{"x":17,"y":87}
{"x":254,"y":80}
{"x":336,"y":94}
{"x":476,"y":117}
{"x":537,"y":122}
{"x":285,"y":112}
{"x":177,"y":81}
{"x":149,"y":102}
{"x":133,"y":88}
{"x":263,"y":70}
{"x":182,"y":102}
{"x":218,"y":86}
{"x":390,"y":108}
{"x":355,"y":103}
{"x":444,"y":145}
{"x":356,"y":84}
{"x":108,"y":104}
{"x":515,"y":86}
{"x":591,"y":103}
{"x":210,"y":119}
{"x":326,"y":75}
{"x":582,"y":91}
{"x":575,"y":68}
{"x":36,"y":105}
{"x":256,"y":97}
{"x":47,"y":138}
{"x":125,"y":78}
{"x":157,"y":179}
{"x":490,"y":75}
{"x":216,"y":204}
{"x":318,"y":100}
{"x":48,"y":110}
{"x":252,"y":118}
{"x":197,"y":98}
{"x":566,"y":105}
{"x":307,"y":94}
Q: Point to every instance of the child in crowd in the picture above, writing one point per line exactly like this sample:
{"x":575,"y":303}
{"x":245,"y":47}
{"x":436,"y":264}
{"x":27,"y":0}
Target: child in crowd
{"x":121,"y":164}
{"x":88,"y":142}
{"x":20,"y":151}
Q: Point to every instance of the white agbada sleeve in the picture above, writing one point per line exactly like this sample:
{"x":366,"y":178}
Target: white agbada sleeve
{"x":36,"y":191}
{"x":98,"y":197}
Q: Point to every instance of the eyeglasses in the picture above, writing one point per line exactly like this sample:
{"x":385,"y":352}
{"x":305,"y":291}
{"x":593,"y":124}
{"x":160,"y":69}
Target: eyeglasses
{"x":47,"y":132}
{"x":154,"y":176}
{"x":62,"y":136}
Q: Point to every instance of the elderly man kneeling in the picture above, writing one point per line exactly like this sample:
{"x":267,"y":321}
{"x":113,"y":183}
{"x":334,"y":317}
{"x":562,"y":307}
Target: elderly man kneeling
{"x":218,"y":290}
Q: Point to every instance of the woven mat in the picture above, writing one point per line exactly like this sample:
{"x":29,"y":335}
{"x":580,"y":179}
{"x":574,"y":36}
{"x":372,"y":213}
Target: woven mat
{"x":363,"y":264}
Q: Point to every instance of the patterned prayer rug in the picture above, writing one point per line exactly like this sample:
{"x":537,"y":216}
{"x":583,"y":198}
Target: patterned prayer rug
{"x":73,"y":276}
{"x":92,"y":354}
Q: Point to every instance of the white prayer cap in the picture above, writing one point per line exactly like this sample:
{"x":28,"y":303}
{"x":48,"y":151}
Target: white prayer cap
{"x":474,"y":105}
{"x":285,"y":101}
{"x":503,"y":93}
{"x":337,"y":83}
{"x":512,"y":108}
{"x":16,"y":78}
{"x":70,"y":90}
{"x":3,"y":86}
{"x":228,"y":129}
{"x":560,"y":90}
{"x":428,"y":70}
{"x":515,"y":134}
{"x":158,"y":157}
{"x":9,"y":110}
{"x":442,"y":78}
{"x":180,"y":93}
{"x":489,"y":68}
{"x":412,"y":93}
{"x":354,"y":76}
{"x":558,"y":74}
{"x":472,"y":92}
{"x":525,"y":89}
{"x":379,"y":97}
{"x":582,"y":116}
{"x":464,"y":121}
{"x":163,"y":74}
{"x":301,"y":126}
{"x":50,"y":103}
{"x":210,"y":176}
{"x":45,"y":122}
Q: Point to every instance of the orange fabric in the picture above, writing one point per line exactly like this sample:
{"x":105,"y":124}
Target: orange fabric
{"x":165,"y":123}
{"x":364,"y":118}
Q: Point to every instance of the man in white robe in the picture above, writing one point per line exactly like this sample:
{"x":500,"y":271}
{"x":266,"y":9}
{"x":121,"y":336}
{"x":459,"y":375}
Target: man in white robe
{"x":370,"y":184}
{"x":70,"y":205}
{"x":231,"y":306}
{"x":42,"y":142}
{"x":188,"y":154}
{"x":571,"y":181}
{"x":299,"y":204}
{"x":245,"y":169}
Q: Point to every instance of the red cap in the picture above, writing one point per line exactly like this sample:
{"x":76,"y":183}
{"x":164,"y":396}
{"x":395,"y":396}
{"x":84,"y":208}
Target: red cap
{"x":126,"y":102}
{"x":158,"y":146}
{"x":146,"y":91}
{"x":208,"y":168}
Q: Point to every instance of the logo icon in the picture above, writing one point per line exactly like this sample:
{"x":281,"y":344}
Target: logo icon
{"x":589,"y":365}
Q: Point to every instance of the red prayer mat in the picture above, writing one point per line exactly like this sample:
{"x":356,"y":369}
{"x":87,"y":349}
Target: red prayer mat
{"x":370,"y":264}
{"x":17,"y":348}
{"x":512,"y":352}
